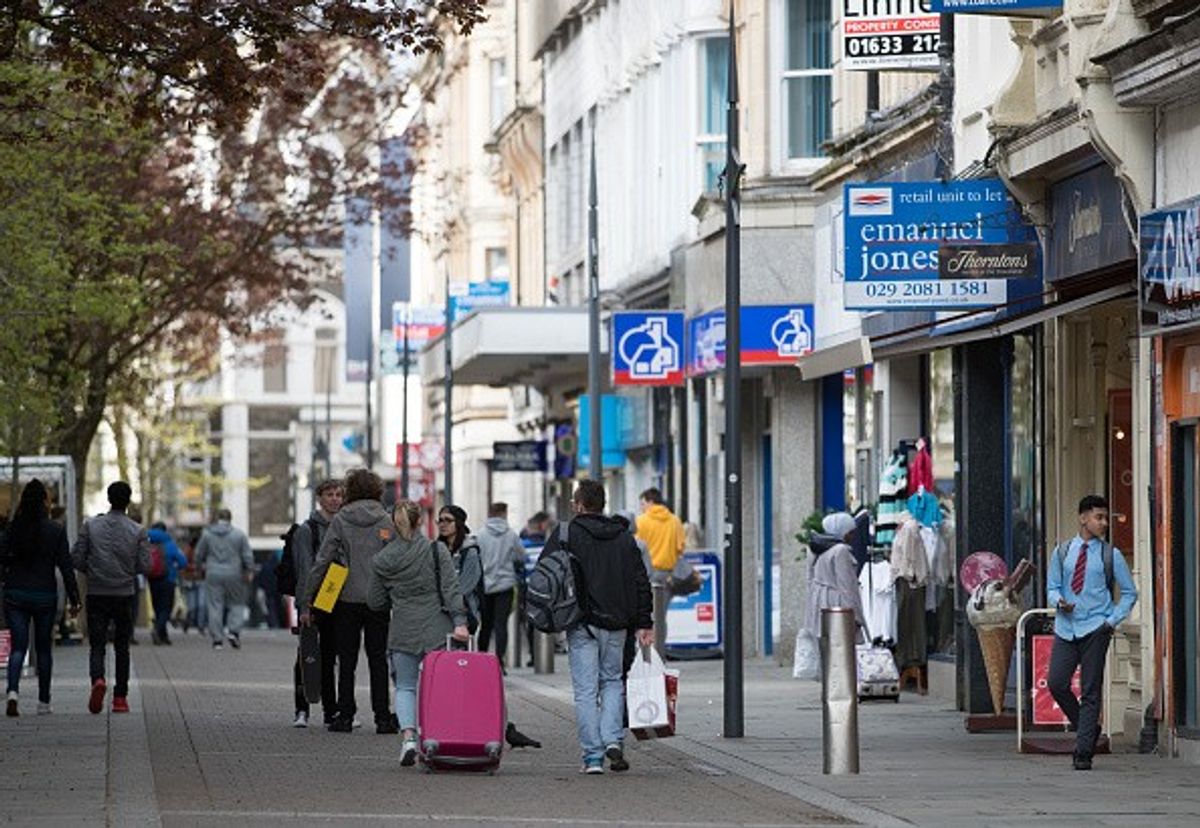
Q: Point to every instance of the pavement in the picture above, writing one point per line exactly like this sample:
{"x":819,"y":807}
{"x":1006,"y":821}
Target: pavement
{"x":210,"y":742}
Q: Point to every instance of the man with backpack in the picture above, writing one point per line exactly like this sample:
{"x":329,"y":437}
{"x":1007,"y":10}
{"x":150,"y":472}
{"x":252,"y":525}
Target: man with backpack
{"x":302,"y":542}
{"x":165,"y":562}
{"x":613,"y":596}
{"x":1079,"y":585}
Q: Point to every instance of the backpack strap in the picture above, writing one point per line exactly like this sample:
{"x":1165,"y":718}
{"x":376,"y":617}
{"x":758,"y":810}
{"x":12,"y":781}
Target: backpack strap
{"x":1106,"y":554}
{"x":437,"y":574}
{"x":564,"y":533}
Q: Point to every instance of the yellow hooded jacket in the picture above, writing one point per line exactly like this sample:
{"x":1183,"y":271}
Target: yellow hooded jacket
{"x":663,"y":534}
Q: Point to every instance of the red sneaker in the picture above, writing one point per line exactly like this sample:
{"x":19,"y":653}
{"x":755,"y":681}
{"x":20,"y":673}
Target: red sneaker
{"x":96,"y":698}
{"x":120,"y":704}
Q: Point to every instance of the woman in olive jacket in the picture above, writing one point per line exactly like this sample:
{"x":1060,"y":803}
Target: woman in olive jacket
{"x":415,"y":579}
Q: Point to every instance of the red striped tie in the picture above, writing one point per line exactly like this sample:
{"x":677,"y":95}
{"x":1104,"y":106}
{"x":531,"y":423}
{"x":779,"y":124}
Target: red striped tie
{"x":1080,"y":568}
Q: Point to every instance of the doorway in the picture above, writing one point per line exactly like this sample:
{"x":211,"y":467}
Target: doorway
{"x":1185,"y":574}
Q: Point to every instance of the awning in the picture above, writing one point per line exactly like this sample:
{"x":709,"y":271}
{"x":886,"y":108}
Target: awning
{"x":887,"y":347}
{"x":505,"y":347}
{"x":835,"y":359}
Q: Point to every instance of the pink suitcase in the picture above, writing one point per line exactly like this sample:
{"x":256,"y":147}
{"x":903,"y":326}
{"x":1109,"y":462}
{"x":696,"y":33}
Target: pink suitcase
{"x":460,"y":710}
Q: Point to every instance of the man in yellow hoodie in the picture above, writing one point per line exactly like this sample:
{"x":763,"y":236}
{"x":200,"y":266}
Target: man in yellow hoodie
{"x":663,"y":534}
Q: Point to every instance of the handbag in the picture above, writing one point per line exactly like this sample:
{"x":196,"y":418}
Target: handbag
{"x":684,"y":579}
{"x":651,"y":695}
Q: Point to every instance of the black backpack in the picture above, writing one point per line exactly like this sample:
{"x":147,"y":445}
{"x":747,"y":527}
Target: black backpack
{"x":285,"y":570}
{"x":552,"y":600}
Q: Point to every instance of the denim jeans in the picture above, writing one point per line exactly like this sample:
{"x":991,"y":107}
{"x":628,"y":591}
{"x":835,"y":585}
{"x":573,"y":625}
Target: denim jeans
{"x":595,"y":656}
{"x":406,"y":668}
{"x":19,"y":617}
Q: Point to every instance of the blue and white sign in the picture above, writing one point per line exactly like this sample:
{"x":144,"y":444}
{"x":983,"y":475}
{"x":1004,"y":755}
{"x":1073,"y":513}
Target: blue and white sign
{"x":1170,"y":264}
{"x":694,"y":621}
{"x":992,"y":6}
{"x":771,"y":335}
{"x":649,"y":348}
{"x":470,"y":296}
{"x":893,"y":232}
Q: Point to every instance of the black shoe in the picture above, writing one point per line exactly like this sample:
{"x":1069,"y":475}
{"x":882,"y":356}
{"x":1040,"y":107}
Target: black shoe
{"x":341,"y":724}
{"x":517,"y":739}
{"x":155,"y":639}
{"x":616,"y":759}
{"x":1081,"y":762}
{"x":386,"y":727}
{"x":235,"y":641}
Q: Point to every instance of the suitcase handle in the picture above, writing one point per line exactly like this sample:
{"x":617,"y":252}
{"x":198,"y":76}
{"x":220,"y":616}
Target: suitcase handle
{"x":472,"y":643}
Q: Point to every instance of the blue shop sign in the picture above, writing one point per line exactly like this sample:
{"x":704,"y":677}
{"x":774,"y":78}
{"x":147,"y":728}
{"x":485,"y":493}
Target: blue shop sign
{"x":1169,"y":266}
{"x":771,"y":335}
{"x":648,"y":349}
{"x":992,"y":6}
{"x":895,"y":235}
{"x":466,"y":297}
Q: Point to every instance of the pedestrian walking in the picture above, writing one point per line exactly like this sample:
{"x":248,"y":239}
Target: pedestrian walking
{"x":31,"y":548}
{"x":616,"y":598}
{"x":306,"y":541}
{"x":833,"y":574}
{"x":663,"y":533}
{"x":503,"y":559}
{"x":223,"y":555}
{"x":468,"y":561}
{"x":357,"y":533}
{"x":163,"y":581}
{"x":414,"y":581}
{"x":111,"y":550}
{"x":1080,"y":579}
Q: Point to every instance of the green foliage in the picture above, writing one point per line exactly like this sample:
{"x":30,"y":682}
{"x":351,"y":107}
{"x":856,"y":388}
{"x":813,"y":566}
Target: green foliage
{"x":811,"y":525}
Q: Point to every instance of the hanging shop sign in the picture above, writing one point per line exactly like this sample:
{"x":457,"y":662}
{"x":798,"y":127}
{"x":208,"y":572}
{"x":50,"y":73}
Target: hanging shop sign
{"x":895,"y":234}
{"x":988,"y":261}
{"x":425,"y":323}
{"x":1088,"y":231}
{"x":1169,"y":264}
{"x":466,"y":297}
{"x":771,"y":335}
{"x":649,"y":348}
{"x":519,"y":455}
{"x":1020,"y":7}
{"x":889,"y":34}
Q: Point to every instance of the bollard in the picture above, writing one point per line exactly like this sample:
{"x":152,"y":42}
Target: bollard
{"x":839,"y":691}
{"x":543,"y":652}
{"x":516,"y":635}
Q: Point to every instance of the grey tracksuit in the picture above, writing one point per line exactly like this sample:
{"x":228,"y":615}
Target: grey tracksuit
{"x":224,"y":553}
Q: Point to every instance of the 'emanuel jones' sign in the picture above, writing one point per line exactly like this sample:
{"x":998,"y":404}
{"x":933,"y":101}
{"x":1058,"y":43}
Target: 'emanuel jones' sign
{"x":894,"y":235}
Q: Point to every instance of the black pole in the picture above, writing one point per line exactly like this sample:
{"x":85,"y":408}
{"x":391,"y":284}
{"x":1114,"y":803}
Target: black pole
{"x":734,"y":690}
{"x":448,"y":395}
{"x":370,"y":446}
{"x":404,"y":409}
{"x":595,"y":464}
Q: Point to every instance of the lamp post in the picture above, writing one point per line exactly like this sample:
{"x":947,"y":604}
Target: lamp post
{"x":448,"y":395}
{"x":595,"y":461}
{"x":404,"y":407}
{"x":734,"y":695}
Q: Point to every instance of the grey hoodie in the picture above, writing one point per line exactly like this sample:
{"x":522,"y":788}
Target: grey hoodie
{"x":403,"y":579}
{"x":355,"y":535}
{"x":306,"y":542}
{"x":224,"y":551}
{"x":111,"y":549}
{"x":501,"y":552}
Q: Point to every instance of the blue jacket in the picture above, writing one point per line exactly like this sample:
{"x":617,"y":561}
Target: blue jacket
{"x":176,"y":560}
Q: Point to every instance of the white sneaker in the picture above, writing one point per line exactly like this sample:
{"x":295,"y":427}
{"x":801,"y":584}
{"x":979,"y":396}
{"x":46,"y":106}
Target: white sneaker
{"x":44,"y":709}
{"x":357,"y":723}
{"x":301,"y":719}
{"x":408,"y":752}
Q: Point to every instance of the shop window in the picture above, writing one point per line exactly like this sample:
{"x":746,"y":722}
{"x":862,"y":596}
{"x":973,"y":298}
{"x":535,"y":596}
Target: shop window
{"x":274,"y":366}
{"x":498,"y":102}
{"x":496,"y":264}
{"x":714,"y":89}
{"x":325,"y":361}
{"x":806,"y":78}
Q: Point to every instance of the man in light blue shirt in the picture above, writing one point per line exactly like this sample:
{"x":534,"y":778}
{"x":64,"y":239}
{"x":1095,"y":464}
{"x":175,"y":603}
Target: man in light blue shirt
{"x":1079,"y":585}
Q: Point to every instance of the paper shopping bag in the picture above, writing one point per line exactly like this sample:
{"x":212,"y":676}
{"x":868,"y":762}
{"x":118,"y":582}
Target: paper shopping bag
{"x":651,"y":694}
{"x":331,"y":587}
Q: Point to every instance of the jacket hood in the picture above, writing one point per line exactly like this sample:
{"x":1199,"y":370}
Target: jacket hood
{"x":602,"y":527}
{"x":658,"y":513}
{"x":221,"y":528}
{"x":158,"y":535}
{"x":496,"y":526}
{"x":402,"y":557}
{"x":363,"y":513}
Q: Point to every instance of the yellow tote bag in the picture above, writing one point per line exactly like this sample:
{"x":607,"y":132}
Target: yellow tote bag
{"x":331,"y":587}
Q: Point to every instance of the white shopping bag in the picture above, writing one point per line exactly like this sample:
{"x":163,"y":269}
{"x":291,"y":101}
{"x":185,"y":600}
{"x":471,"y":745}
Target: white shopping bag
{"x":650,"y":694}
{"x":807,"y":663}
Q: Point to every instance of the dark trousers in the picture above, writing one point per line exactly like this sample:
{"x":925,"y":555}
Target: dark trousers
{"x":20,"y":617}
{"x":1087,"y":653}
{"x":495,"y":611}
{"x":329,"y":654}
{"x":103,"y":610}
{"x":162,"y":596}
{"x":356,"y":626}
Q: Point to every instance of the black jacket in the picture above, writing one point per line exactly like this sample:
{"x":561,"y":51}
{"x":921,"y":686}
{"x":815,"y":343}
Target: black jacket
{"x":32,"y":570}
{"x":615,"y":584}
